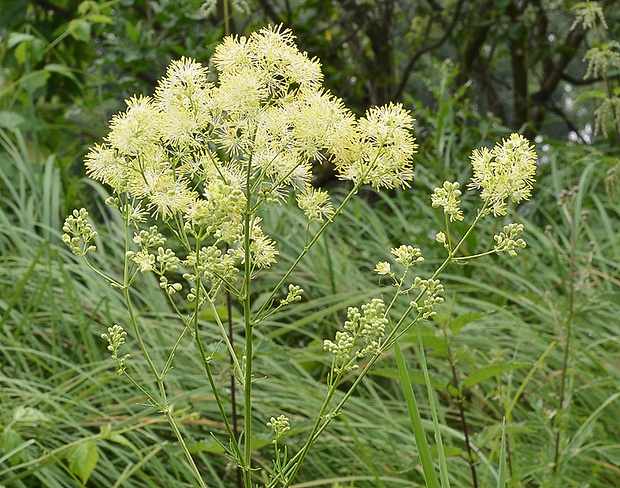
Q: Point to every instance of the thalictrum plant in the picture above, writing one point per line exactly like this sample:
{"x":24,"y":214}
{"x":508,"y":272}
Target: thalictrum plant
{"x":201,"y":159}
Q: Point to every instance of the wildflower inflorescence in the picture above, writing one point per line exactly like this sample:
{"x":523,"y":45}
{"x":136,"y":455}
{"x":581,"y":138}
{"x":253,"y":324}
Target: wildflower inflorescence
{"x":506,"y":171}
{"x":447,"y":197}
{"x":203,"y":157}
{"x":433,"y":291}
{"x":78,"y":233}
{"x":509,"y":240}
{"x":280,"y":425}
{"x":294,"y":294}
{"x":367,"y":326}
{"x":116,"y":338}
{"x":588,"y":14}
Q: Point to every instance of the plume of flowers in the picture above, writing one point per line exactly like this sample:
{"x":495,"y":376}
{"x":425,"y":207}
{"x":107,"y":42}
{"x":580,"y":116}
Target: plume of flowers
{"x":506,"y":171}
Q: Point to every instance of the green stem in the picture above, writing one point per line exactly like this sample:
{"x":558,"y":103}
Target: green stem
{"x":206,"y":364}
{"x":294,"y":463}
{"x":569,"y":323}
{"x":306,"y":249}
{"x":163,"y":404}
{"x":188,"y":455}
{"x":247,"y":309}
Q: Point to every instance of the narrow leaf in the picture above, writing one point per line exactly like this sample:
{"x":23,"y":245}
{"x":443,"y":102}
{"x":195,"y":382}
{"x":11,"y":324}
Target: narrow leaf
{"x":416,"y":421}
{"x":490,"y":370}
{"x":462,"y":320}
{"x":591,"y":94}
{"x":16,"y":38}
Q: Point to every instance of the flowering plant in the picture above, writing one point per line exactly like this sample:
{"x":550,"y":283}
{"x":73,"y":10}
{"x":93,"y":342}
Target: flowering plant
{"x":202,"y":158}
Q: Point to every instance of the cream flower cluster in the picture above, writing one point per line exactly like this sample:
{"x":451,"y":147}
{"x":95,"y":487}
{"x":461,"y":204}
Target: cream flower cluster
{"x":506,"y":171}
{"x":266,"y":114}
{"x":366,"y":327}
{"x":209,"y":149}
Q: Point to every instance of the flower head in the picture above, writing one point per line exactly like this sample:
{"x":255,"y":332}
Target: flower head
{"x":507,"y":171}
{"x":315,"y":204}
{"x":280,"y":425}
{"x":588,"y":14}
{"x":509,"y":239}
{"x":78,"y":233}
{"x":447,"y":197}
{"x":380,"y":154}
{"x":134,"y":130}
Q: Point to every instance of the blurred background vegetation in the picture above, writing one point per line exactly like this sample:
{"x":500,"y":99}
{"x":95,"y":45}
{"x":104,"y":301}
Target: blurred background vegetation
{"x":533,"y":339}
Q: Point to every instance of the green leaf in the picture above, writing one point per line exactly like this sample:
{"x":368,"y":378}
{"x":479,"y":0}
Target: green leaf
{"x":21,"y":53}
{"x":11,"y":440}
{"x":16,"y":38}
{"x":27,"y":415}
{"x":133,"y":31}
{"x":462,"y":320}
{"x":590,"y":94}
{"x":37,"y":48}
{"x":80,"y":29}
{"x":35,"y":80}
{"x":87,"y":6}
{"x":489,"y":371}
{"x":61,"y":69}
{"x":10,"y":120}
{"x":454,"y":391}
{"x":100,"y":19}
{"x":83,"y":459}
{"x":424,"y":450}
{"x":123,"y":441}
{"x":25,"y":45}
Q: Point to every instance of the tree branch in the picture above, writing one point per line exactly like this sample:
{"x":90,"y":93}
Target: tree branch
{"x":414,"y":59}
{"x":549,"y":84}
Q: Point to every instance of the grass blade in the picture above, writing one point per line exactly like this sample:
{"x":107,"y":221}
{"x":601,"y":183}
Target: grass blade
{"x":416,"y":421}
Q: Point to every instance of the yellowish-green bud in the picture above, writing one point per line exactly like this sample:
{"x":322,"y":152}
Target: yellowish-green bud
{"x":447,"y":197}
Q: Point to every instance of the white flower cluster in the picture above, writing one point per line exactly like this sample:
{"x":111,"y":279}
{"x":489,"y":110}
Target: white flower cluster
{"x":204,"y":156}
{"x":367,"y":326}
{"x":506,"y":171}
{"x":116,"y":338}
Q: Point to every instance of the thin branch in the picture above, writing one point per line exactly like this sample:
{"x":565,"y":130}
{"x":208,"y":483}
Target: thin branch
{"x":548,"y":85}
{"x":414,"y":59}
{"x":586,"y":81}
